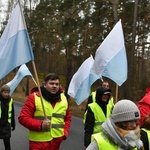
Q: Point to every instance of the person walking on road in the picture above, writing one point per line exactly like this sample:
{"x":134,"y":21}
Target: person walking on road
{"x":121,"y":130}
{"x":96,"y":113}
{"x":46,"y":134}
{"x":7,"y":116}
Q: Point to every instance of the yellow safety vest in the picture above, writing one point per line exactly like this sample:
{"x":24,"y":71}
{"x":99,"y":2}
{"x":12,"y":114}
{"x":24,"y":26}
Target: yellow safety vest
{"x":99,"y":116}
{"x":104,"y":143}
{"x":9,"y":110}
{"x":56,"y":115}
{"x":98,"y":113}
{"x":148,"y":135}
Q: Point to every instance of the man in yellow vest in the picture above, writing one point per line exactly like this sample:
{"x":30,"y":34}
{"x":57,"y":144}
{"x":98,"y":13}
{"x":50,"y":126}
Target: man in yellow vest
{"x":121,"y":130}
{"x":46,"y":134}
{"x":7,"y":116}
{"x":96,"y":113}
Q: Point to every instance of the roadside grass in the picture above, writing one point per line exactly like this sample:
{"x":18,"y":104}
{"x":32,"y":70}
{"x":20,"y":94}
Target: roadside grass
{"x":77,"y":110}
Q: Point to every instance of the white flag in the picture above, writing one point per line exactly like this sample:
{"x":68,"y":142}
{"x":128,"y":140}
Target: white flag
{"x":80,"y":85}
{"x":22,"y":72}
{"x":15,"y":46}
{"x":110,"y":59}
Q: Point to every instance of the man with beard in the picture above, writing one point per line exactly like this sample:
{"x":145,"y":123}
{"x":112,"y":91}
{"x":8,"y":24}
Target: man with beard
{"x":121,"y":130}
{"x":96,"y":114}
{"x":46,"y":134}
{"x":7,"y":116}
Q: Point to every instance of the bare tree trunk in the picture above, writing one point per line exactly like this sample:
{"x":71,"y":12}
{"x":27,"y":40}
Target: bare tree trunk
{"x":115,"y":8}
{"x":133,"y":43}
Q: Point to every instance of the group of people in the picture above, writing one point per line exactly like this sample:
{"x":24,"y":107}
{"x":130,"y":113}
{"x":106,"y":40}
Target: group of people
{"x":46,"y":114}
{"x":120,"y":126}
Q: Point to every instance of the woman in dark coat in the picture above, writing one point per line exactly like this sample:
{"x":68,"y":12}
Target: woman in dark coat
{"x":7,"y":116}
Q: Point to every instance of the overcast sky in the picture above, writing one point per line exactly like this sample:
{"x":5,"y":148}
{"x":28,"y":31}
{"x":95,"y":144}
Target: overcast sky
{"x":2,"y":8}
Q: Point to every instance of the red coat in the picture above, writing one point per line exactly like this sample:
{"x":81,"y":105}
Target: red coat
{"x":26,"y":118}
{"x":144,"y":105}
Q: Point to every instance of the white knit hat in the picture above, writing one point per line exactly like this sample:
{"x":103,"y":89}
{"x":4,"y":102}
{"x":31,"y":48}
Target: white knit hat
{"x":125,"y":110}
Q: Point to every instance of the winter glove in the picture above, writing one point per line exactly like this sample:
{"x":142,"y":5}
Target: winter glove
{"x":46,"y":125}
{"x":12,"y":128}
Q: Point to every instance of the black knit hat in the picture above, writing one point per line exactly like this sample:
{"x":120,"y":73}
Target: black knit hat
{"x":5,"y":88}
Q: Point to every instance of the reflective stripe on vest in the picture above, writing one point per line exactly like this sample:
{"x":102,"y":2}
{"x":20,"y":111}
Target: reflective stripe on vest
{"x":56,"y":116}
{"x":104,"y":143}
{"x":148,"y":135}
{"x":9,"y":110}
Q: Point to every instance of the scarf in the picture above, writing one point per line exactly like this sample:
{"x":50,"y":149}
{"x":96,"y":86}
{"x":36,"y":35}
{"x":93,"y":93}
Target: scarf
{"x":50,"y":97}
{"x":125,"y":139}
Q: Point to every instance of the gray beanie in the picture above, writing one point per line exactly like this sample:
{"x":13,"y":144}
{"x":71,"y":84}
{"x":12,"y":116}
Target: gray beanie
{"x":125,"y":110}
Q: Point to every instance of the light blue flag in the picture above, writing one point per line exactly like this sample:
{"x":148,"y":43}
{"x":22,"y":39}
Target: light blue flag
{"x":22,"y":72}
{"x":80,"y":84}
{"x":15,"y":46}
{"x":110,"y":58}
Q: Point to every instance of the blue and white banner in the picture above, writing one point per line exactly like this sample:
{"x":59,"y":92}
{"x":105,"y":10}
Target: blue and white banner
{"x":22,"y":72}
{"x":15,"y":46}
{"x":110,"y":59}
{"x":80,"y":85}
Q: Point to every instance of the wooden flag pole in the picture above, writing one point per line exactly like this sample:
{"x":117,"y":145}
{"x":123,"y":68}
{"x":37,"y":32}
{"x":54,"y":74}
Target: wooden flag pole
{"x":34,"y":81}
{"x":116,"y":98}
{"x":38,"y":84}
{"x":34,"y":68}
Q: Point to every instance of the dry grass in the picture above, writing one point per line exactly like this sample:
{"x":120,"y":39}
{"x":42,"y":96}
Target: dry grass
{"x":77,"y":110}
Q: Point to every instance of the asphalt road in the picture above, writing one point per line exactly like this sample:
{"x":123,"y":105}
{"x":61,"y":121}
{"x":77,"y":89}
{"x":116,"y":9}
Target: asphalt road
{"x":19,"y":139}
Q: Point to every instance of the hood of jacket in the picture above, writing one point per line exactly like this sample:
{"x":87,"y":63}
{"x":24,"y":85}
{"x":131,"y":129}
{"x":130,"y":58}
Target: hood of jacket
{"x":99,"y":93}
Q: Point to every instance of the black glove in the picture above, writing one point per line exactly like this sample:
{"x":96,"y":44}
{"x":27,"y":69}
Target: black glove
{"x":12,"y":128}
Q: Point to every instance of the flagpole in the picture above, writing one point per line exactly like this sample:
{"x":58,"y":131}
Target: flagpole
{"x":116,"y":98}
{"x":34,"y":68}
{"x":34,"y":81}
{"x":36,"y":76}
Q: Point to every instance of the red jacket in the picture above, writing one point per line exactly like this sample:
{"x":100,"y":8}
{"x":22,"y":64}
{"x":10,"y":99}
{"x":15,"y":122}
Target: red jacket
{"x":144,"y":105}
{"x":26,"y":117}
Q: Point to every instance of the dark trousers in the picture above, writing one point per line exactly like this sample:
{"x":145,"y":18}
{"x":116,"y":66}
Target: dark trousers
{"x":7,"y":143}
